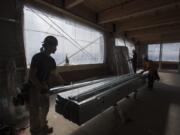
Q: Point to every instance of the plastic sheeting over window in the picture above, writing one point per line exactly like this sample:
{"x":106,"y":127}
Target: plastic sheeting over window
{"x":153,"y":52}
{"x":170,"y":52}
{"x":81,"y":44}
{"x":119,"y":42}
{"x":129,"y":45}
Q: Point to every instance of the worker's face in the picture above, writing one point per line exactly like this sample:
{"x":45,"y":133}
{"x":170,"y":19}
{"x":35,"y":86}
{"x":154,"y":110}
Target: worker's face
{"x":53,"y":48}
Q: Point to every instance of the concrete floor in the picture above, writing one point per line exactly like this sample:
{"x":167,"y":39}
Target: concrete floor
{"x":154,"y":113}
{"x":61,"y":125}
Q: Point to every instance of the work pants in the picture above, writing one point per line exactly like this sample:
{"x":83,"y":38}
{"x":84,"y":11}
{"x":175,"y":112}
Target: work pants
{"x":150,"y":80}
{"x":38,"y":108}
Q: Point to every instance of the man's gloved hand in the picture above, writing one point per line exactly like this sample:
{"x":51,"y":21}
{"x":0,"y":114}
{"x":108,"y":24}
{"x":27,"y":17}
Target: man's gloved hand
{"x":141,"y":72}
{"x":67,"y":83}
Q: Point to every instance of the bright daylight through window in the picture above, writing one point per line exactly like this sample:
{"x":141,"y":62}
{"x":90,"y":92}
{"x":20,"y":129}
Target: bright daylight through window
{"x":81,"y":44}
{"x":170,"y":52}
{"x":153,"y":52}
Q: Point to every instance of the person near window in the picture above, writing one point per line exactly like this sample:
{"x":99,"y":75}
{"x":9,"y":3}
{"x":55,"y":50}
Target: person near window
{"x":153,"y":75}
{"x":42,"y":67}
{"x":134,"y":61}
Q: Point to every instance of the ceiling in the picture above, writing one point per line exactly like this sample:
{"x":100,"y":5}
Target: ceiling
{"x":145,"y":21}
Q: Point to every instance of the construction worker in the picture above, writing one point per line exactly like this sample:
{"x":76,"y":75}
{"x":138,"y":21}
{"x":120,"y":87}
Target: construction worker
{"x":134,"y":61}
{"x":42,"y":67}
{"x":150,"y":66}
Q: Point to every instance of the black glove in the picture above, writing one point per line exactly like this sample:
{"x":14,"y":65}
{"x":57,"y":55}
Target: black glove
{"x":67,"y":83}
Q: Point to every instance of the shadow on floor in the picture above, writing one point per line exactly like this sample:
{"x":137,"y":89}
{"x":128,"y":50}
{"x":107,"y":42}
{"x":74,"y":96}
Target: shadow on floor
{"x":153,"y":112}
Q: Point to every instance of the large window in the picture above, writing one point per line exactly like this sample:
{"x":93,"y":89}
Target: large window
{"x":153,"y":52}
{"x":170,"y":52}
{"x":81,"y":44}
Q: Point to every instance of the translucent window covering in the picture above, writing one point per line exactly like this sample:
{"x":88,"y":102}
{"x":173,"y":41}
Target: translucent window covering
{"x":153,"y":52}
{"x":81,"y":44}
{"x":119,"y":42}
{"x":170,"y":52}
{"x":129,"y":45}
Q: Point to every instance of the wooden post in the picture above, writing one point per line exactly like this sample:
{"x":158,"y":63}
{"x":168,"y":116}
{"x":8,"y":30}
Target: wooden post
{"x":179,"y":62}
{"x":160,"y":57}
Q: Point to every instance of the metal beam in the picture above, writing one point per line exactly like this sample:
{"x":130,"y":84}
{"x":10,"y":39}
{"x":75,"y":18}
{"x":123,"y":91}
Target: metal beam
{"x":72,"y":3}
{"x":160,"y":30}
{"x":157,"y":35}
{"x":134,"y":9}
{"x":164,"y":18}
{"x":61,"y":89}
{"x":160,"y":39}
{"x":83,"y":100}
{"x":146,"y":26}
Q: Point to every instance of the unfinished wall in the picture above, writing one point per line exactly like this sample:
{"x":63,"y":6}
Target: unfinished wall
{"x":109,"y":43}
{"x":12,"y":58}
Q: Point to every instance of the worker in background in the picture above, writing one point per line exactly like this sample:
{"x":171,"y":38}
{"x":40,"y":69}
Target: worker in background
{"x":42,"y":67}
{"x":152,"y":67}
{"x":134,"y":61}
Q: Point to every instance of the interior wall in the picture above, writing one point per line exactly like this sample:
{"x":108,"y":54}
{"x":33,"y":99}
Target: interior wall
{"x":81,"y":72}
{"x":109,"y":44}
{"x":12,"y":58}
{"x":12,"y":47}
